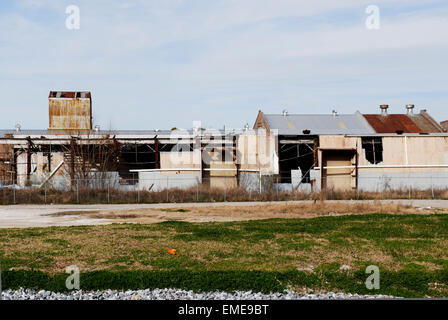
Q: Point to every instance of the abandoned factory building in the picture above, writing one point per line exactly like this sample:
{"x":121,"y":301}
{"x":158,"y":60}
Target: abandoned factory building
{"x":300,"y":151}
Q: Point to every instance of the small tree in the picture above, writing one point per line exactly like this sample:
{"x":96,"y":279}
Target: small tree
{"x":90,"y":160}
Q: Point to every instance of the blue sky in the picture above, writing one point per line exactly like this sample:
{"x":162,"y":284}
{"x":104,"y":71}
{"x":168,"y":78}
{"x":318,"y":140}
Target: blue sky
{"x":165,"y":63}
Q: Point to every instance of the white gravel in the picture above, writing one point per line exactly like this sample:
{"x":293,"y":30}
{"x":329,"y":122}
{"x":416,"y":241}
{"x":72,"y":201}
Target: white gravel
{"x":175,"y":294}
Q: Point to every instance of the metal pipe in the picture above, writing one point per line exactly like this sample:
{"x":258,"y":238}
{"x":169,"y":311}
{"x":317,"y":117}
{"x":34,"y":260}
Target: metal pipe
{"x":410,"y":109}
{"x":406,"y":149}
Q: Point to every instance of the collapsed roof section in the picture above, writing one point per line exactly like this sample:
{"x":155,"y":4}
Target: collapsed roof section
{"x":70,"y":94}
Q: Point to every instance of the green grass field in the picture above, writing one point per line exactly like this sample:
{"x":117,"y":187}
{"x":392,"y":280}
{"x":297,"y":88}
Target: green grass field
{"x":263,"y":255}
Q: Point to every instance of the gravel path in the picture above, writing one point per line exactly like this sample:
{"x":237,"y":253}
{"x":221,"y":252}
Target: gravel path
{"x":26,"y":216}
{"x":174,"y":294}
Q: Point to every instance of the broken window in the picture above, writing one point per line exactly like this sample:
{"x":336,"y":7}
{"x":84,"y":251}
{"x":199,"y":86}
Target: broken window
{"x":296,"y":154}
{"x":373,"y":147}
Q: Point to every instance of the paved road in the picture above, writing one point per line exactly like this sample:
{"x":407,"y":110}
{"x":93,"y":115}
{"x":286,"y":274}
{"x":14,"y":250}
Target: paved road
{"x":25,"y":216}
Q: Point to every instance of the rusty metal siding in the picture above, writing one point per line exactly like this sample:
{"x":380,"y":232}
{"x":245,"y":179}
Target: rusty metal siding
{"x":70,"y":112}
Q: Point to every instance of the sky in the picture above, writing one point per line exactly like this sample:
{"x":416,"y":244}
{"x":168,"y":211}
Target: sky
{"x":159,"y":64}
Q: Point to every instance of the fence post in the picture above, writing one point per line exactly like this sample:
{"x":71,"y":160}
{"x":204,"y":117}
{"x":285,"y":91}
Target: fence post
{"x":382,"y":193}
{"x":167,"y":194}
{"x":276,"y":184}
{"x":432,"y":189}
{"x":197,"y":190}
{"x":225,"y":189}
{"x":45,"y":188}
{"x":108,"y":191}
{"x":77,"y":191}
{"x":14,"y":194}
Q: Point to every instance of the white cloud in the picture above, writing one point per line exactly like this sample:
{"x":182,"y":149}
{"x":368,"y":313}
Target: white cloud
{"x":210,"y":55}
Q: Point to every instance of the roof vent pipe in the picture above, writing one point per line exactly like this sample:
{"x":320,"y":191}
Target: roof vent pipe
{"x":246,"y":127}
{"x":335,"y":113}
{"x":97,"y":128}
{"x":285,"y":112}
{"x":410,"y":109}
{"x":384,"y":108}
{"x":18,"y":126}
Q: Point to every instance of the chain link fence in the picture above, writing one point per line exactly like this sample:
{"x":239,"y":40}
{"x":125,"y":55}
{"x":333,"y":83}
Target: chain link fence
{"x":172,"y":189}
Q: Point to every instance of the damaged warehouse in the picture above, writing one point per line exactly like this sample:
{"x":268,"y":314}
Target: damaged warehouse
{"x":303,"y":152}
{"x":71,"y":152}
{"x":370,"y":152}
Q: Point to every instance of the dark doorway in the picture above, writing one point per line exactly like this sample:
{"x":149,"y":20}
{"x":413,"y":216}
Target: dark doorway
{"x":135,"y":157}
{"x":296,"y":153}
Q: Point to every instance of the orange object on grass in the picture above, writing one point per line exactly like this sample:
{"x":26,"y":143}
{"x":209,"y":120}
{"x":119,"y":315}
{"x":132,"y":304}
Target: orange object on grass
{"x":172,"y":251}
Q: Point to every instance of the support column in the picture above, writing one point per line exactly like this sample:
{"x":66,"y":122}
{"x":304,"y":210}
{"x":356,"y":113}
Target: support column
{"x":49,"y":161}
{"x":236,"y":160}
{"x":315,"y":153}
{"x":156,"y":147}
{"x":116,"y":148}
{"x":72,"y":161}
{"x":28,"y":161}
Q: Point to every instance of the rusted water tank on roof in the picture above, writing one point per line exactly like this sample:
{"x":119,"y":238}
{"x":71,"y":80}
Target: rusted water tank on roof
{"x":70,"y":110}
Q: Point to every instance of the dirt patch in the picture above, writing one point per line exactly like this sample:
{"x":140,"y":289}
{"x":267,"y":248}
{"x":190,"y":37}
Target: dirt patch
{"x":72,"y":213}
{"x":242,"y":213}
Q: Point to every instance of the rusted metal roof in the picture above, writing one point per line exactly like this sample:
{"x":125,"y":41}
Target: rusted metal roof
{"x":70,"y":94}
{"x":396,"y":123}
{"x":424,"y":124}
{"x":444,"y":124}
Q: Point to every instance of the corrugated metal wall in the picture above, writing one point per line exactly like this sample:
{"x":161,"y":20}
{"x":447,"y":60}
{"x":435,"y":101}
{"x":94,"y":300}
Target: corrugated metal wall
{"x":70,"y":114}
